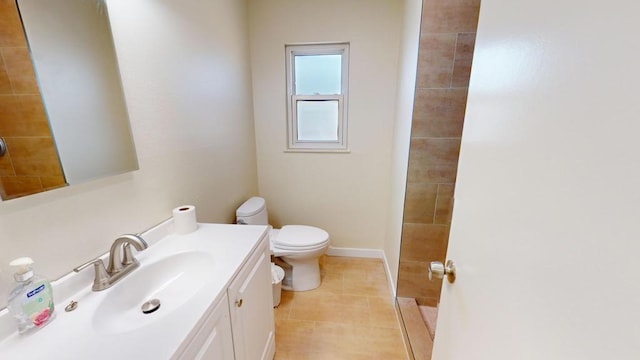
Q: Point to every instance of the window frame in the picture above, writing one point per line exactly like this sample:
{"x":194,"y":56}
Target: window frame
{"x":293,"y":144}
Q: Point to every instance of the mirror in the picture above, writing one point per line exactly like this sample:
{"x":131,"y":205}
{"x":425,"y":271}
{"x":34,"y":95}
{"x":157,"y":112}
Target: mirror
{"x":79,"y":130}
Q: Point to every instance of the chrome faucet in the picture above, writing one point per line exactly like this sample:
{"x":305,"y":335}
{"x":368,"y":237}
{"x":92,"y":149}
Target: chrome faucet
{"x":121,"y":262}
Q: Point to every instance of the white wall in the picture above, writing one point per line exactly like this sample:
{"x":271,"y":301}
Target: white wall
{"x":402,"y":132}
{"x":187,"y":82}
{"x":346,"y":194}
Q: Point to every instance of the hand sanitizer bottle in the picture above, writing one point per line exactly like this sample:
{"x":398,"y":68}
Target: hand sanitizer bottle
{"x":31,"y":301}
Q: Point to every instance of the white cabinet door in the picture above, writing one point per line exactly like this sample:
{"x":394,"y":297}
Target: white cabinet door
{"x":545,"y":230}
{"x":251,"y":306}
{"x":214,"y":340}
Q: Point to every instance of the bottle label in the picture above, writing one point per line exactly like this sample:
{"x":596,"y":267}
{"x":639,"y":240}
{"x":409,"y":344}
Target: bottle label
{"x":35,"y":291}
{"x":38,"y":304}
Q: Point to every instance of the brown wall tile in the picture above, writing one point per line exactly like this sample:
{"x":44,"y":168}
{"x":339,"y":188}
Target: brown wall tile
{"x":435,"y":61}
{"x":441,"y":95}
{"x":420,"y":202}
{"x":439,"y":112}
{"x":18,"y":186}
{"x":52,"y":182}
{"x":424,"y":242}
{"x":450,"y":16}
{"x":6,"y":168}
{"x":5,"y":84}
{"x":34,"y":156}
{"x":433,"y":160}
{"x":23,"y":115}
{"x":11,"y":33}
{"x":413,"y":281}
{"x":464,"y":56}
{"x":9,"y":114}
{"x":34,"y":116}
{"x":20,"y":70}
{"x":444,"y":204}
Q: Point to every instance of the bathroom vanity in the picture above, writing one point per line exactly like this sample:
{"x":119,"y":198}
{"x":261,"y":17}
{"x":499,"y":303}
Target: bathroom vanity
{"x":215,"y":294}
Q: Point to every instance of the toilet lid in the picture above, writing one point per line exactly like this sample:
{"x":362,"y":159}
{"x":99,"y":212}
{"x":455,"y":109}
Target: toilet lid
{"x":300,"y":236}
{"x":251,"y":207}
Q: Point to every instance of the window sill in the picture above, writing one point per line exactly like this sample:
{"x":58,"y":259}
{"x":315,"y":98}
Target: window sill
{"x":335,"y":151}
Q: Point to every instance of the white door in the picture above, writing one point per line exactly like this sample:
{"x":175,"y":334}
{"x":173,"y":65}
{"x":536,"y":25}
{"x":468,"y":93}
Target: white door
{"x":546,"y":224}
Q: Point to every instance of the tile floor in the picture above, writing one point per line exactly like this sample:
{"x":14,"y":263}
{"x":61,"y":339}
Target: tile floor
{"x":430,"y":317}
{"x":350,"y":316}
{"x":416,"y":328}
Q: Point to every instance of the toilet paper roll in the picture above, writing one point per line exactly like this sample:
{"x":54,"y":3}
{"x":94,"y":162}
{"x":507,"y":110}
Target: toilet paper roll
{"x":184,"y":219}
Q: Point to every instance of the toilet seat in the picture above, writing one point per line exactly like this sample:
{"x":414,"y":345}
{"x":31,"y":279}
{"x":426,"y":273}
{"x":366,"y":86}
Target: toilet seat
{"x":278,"y":249}
{"x":299,"y":238}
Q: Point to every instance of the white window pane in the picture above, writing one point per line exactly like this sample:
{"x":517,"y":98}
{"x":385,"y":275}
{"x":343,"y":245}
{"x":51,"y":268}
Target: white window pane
{"x":317,"y":120}
{"x":318,"y":74}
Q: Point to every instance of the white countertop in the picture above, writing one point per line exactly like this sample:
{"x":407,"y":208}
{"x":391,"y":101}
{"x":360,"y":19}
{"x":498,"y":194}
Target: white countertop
{"x":73,"y":335}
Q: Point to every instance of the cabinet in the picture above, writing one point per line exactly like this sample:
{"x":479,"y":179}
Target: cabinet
{"x":251,"y":307}
{"x":241,"y":324}
{"x":213,"y":340}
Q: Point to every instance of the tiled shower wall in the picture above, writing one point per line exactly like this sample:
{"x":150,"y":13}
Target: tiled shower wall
{"x":31,"y":164}
{"x":447,"y":40}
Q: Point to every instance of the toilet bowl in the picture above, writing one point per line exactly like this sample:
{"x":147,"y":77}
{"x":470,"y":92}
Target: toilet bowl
{"x":298,"y":246}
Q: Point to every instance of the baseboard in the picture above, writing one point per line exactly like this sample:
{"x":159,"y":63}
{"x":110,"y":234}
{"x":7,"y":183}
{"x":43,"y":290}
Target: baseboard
{"x":365,"y":253}
{"x":355,"y":252}
{"x":388,"y":271}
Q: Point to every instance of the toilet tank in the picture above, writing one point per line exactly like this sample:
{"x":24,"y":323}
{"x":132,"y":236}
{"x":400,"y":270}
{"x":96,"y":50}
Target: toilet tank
{"x":253,"y":212}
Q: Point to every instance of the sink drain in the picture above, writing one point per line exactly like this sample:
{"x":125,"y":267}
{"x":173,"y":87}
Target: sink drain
{"x":150,"y":306}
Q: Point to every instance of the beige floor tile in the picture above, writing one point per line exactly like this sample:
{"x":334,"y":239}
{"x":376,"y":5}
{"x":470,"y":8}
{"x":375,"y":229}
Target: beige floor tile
{"x":294,"y":335}
{"x":382,"y":313}
{"x":365,"y":274}
{"x":282,"y":311}
{"x":357,"y":341}
{"x":366,"y":287}
{"x":330,"y":354}
{"x":313,"y":297}
{"x":350,"y":316}
{"x":348,"y":264}
{"x":339,"y":338}
{"x":332,"y":283}
{"x":345,"y":309}
{"x":291,"y":355}
{"x":386,"y":343}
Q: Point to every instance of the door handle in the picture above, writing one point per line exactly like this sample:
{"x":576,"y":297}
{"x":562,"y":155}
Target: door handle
{"x":3,"y":147}
{"x":438,"y":270}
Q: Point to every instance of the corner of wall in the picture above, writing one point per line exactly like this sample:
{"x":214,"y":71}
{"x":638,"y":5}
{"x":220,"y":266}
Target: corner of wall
{"x":402,"y":133}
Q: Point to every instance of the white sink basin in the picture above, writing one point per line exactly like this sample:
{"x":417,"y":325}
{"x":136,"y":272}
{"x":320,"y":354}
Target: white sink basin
{"x":173,"y":280}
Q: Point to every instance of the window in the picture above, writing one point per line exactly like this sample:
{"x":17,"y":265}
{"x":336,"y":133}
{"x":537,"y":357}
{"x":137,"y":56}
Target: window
{"x":317,"y":83}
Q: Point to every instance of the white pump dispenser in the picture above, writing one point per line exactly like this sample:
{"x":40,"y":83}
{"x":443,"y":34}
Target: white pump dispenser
{"x":22,"y":268}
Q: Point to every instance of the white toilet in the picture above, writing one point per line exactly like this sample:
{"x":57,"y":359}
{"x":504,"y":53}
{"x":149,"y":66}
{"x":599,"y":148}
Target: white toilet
{"x":299,"y":246}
